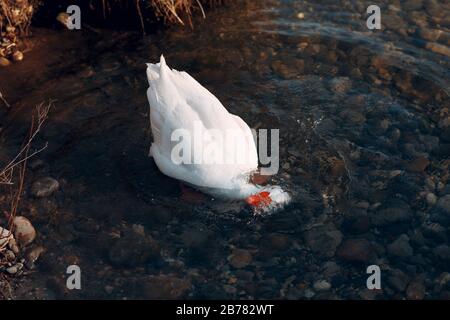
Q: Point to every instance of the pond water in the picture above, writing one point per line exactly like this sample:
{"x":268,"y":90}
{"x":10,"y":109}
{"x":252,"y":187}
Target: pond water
{"x":364,"y":150}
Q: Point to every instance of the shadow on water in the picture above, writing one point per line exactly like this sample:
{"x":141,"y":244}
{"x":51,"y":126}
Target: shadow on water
{"x":363,"y":142}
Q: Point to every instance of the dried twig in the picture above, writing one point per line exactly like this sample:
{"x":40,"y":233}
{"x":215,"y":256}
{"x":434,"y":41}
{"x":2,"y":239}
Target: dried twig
{"x":4,"y":100}
{"x":20,"y":161}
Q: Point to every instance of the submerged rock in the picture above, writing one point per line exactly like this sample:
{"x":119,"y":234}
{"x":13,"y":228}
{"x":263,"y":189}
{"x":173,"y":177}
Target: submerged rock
{"x":443,"y":204}
{"x":33,"y":255}
{"x":438,"y":48}
{"x":44,"y":187}
{"x":165,"y":287}
{"x":400,"y":247}
{"x":399,"y":212}
{"x":322,"y":285}
{"x":442,"y":252}
{"x":240,"y":258}
{"x":133,"y":249}
{"x":355,"y":250}
{"x":323,"y":239}
{"x":341,"y":84}
{"x":418,"y":164}
{"x":415,"y":290}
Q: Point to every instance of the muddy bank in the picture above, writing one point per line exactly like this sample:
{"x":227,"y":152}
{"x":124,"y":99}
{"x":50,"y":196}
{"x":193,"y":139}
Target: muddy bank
{"x":364,"y":149}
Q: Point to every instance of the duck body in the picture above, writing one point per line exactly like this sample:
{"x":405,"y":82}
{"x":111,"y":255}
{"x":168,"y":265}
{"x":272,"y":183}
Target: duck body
{"x":219,"y":153}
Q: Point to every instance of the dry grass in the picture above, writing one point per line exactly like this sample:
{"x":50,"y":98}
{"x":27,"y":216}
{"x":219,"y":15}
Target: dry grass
{"x":12,"y":174}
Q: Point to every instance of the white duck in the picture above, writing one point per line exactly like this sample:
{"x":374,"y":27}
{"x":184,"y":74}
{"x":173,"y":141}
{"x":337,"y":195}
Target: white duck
{"x":220,"y":152}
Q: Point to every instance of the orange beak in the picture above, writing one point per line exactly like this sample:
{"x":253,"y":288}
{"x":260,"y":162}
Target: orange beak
{"x":259,"y":200}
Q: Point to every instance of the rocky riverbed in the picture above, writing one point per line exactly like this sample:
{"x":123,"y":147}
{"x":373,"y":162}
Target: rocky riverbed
{"x":364,"y":119}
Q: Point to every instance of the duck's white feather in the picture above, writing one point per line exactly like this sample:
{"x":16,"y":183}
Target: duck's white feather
{"x":178,"y":101}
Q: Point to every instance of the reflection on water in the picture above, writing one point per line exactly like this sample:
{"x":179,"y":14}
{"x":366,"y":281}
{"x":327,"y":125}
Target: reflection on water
{"x":365,"y":140}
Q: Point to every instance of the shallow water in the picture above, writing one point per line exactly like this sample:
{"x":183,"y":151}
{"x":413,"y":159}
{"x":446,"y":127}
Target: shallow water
{"x":363,"y":140}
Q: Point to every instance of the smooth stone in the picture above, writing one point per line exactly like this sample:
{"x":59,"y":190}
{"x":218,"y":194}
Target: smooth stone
{"x":322,"y":285}
{"x":431,"y":199}
{"x":33,"y":255}
{"x":443,"y":204}
{"x":24,"y":231}
{"x":415,"y":290}
{"x":438,"y":48}
{"x":15,"y":268}
{"x":400,"y":247}
{"x":418,"y":164}
{"x":399,"y":212}
{"x":323,"y":239}
{"x":442,"y":252}
{"x":398,"y":280}
{"x":4,"y":62}
{"x":17,"y":56}
{"x":165,"y":286}
{"x":341,"y":84}
{"x":355,"y":250}
{"x":5,"y":237}
{"x":240,"y":258}
{"x":430,"y":34}
{"x":44,"y":187}
{"x":133,"y":250}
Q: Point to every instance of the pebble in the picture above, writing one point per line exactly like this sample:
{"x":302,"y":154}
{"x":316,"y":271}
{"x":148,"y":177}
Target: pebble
{"x":133,"y":249}
{"x":17,"y":56}
{"x":9,"y":255}
{"x":44,"y":187}
{"x":229,"y":289}
{"x":418,"y":164}
{"x":165,"y":286}
{"x":4,"y":62}
{"x":309,"y":293}
{"x":33,"y":255}
{"x":15,"y":268}
{"x":330,"y":269}
{"x":240,"y":258}
{"x":443,"y":204}
{"x":284,"y":70}
{"x":108,"y":289}
{"x":355,"y":250}
{"x":399,"y":212}
{"x":322,"y":285}
{"x":64,"y":19}
{"x":400,"y":247}
{"x":431,"y":199}
{"x":398,"y":280}
{"x":278,"y":241}
{"x":323,"y":239}
{"x":415,"y":290}
{"x":24,"y":231}
{"x":438,"y":48}
{"x":5,"y":237}
{"x":442,"y":252}
{"x":341,"y":84}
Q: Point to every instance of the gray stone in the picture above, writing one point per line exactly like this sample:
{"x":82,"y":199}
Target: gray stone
{"x":44,"y":187}
{"x":399,"y":213}
{"x":400,"y":247}
{"x":323,"y":239}
{"x":322,"y":285}
{"x":355,"y":250}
